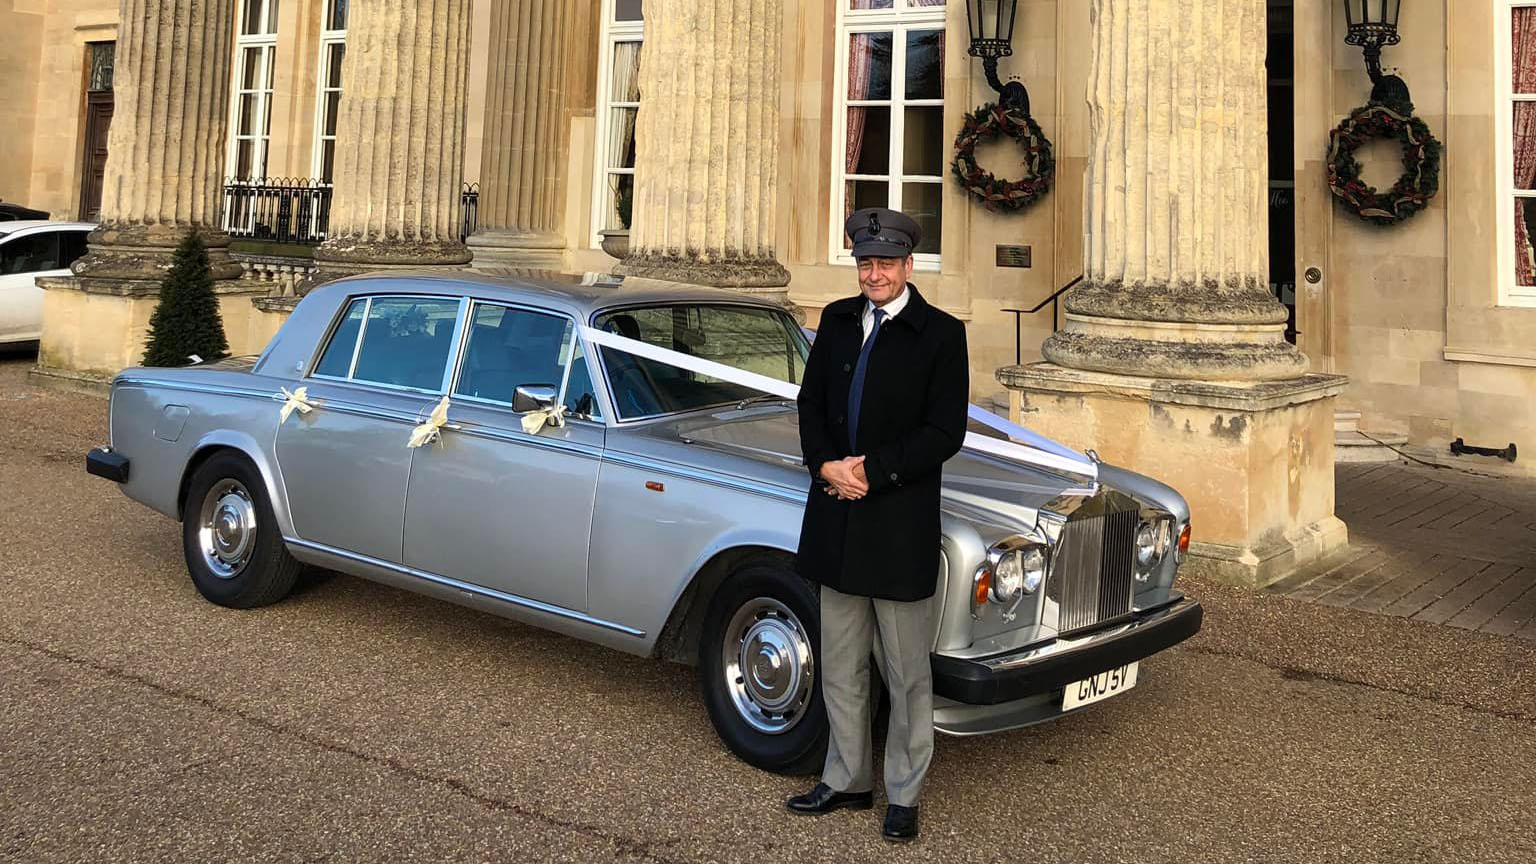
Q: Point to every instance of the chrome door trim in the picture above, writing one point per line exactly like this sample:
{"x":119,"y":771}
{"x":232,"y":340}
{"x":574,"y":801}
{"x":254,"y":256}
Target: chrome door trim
{"x":779,"y":492}
{"x":212,"y":389}
{"x":468,"y":587}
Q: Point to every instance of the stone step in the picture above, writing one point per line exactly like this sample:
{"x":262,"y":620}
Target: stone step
{"x":1355,"y":446}
{"x":1346,"y":421}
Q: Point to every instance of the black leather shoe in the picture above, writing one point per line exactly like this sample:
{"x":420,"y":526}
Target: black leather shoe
{"x":823,"y":800}
{"x":900,"y":824}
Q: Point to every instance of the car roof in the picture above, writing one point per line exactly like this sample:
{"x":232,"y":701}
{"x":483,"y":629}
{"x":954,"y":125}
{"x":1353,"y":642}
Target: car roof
{"x":579,"y":295}
{"x":22,"y":224}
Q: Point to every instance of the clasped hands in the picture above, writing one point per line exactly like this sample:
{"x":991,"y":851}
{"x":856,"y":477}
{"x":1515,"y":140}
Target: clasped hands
{"x":845,"y":478}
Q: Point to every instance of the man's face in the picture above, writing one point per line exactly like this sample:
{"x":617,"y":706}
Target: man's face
{"x":882,"y":280}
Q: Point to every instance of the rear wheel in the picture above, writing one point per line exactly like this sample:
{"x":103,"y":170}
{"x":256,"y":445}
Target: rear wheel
{"x":758,"y":671}
{"x":229,"y":537}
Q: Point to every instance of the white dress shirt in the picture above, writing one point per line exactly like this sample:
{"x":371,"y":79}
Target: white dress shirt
{"x":891,"y":309}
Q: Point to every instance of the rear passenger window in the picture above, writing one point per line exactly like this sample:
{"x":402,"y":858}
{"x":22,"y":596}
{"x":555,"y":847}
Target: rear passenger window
{"x":400,"y":341}
{"x":512,"y":348}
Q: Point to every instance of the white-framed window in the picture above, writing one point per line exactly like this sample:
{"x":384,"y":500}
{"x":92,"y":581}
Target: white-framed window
{"x":333,"y":47}
{"x":1515,"y":143}
{"x":889,"y":144}
{"x":250,"y":104}
{"x":618,"y":104}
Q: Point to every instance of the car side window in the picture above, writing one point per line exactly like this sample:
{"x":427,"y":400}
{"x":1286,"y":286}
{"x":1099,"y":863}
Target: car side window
{"x":32,"y":253}
{"x":400,"y":341}
{"x":71,"y":246}
{"x":509,"y":348}
{"x":580,"y":399}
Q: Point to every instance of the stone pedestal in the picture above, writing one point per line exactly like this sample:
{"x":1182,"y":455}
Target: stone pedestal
{"x":163,"y":179}
{"x":706,"y":143}
{"x":1254,"y":460}
{"x":399,"y":140}
{"x":1172,"y":359}
{"x":523,"y":162}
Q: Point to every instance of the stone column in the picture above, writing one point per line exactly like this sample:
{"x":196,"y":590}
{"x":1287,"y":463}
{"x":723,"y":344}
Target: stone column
{"x":400,"y":139}
{"x":163,"y":179}
{"x":706,"y":145}
{"x":164,"y":171}
{"x":1172,"y":359}
{"x":522,"y":166}
{"x":1176,"y":259}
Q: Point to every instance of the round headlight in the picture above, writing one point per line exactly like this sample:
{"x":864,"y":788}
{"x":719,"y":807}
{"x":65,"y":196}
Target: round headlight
{"x":1008,"y":579}
{"x":1146,"y":545}
{"x":1033,"y":562}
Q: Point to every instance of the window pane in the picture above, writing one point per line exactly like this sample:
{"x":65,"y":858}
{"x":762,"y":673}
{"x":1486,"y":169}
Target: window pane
{"x":627,"y":10}
{"x":333,"y":65}
{"x":625,"y":86}
{"x":332,"y":112}
{"x":869,"y":66}
{"x":580,"y":399}
{"x":337,"y":359}
{"x":869,"y":141}
{"x":925,"y":2}
{"x":327,"y":160}
{"x":858,"y":194}
{"x":922,"y":201}
{"x":760,"y":341}
{"x":621,"y":140}
{"x":621,"y":199}
{"x":243,"y":150}
{"x":250,"y":17}
{"x":71,"y":246}
{"x":250,"y":67}
{"x":923,"y":142}
{"x":336,"y":18}
{"x":102,"y":57}
{"x":510,"y":348}
{"x":271,"y":22}
{"x":406,"y":342}
{"x":1524,"y":135}
{"x":871,"y":4}
{"x":1523,"y":52}
{"x":268,"y":68}
{"x":925,"y":64}
{"x":30,"y":254}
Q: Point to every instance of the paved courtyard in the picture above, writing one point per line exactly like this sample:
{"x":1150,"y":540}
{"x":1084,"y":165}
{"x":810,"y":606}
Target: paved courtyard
{"x":1442,"y":545}
{"x":354,"y":722}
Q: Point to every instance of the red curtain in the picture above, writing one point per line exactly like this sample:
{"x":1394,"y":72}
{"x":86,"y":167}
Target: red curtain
{"x":1523,"y":65}
{"x":861,"y":53}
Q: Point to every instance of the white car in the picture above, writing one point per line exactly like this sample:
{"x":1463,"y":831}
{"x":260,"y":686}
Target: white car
{"x":30,"y":249}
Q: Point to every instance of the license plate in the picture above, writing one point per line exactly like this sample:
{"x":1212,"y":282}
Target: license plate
{"x":1100,"y":686}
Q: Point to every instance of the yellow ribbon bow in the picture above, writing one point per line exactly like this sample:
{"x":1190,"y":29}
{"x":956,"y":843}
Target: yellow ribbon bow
{"x":427,"y":432}
{"x":296,"y":401}
{"x":533,"y":421}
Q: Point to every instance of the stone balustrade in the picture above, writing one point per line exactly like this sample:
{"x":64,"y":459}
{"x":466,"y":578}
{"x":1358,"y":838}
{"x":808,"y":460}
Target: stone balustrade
{"x":281,"y":271}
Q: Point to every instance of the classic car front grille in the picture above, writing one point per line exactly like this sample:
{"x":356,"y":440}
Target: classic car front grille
{"x":1090,"y":578}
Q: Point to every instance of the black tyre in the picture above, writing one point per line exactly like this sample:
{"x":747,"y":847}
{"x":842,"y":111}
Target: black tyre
{"x":229,"y":537}
{"x":758,"y":670}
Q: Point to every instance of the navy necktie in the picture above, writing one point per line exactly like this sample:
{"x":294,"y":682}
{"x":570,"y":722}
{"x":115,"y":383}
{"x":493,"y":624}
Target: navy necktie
{"x":856,"y":387}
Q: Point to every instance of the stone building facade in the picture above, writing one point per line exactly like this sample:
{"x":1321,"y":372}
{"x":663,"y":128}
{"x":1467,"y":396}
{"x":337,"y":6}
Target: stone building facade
{"x":730,"y":139}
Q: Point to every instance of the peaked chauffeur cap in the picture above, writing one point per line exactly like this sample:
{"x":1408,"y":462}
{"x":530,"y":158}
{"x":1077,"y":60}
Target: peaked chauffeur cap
{"x":880,"y":233}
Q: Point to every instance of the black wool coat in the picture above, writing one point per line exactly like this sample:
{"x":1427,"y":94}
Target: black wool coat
{"x":912,"y":418}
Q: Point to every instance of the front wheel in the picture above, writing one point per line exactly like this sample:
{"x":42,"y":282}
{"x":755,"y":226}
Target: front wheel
{"x":758,"y":671}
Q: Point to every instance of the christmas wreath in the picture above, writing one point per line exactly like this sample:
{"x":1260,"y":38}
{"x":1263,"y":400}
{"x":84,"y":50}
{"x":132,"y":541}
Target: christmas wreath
{"x":998,"y":195}
{"x":1421,"y":163}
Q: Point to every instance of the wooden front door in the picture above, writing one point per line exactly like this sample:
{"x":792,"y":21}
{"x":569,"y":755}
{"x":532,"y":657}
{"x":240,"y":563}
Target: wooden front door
{"x":98,"y":117}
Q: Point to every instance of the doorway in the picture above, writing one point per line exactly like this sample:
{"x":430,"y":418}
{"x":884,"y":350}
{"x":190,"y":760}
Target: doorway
{"x":99,"y":60}
{"x":1279,"y":68}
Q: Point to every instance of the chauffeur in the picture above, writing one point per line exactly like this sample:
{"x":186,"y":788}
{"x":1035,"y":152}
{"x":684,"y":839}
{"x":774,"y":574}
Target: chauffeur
{"x":882,"y":406}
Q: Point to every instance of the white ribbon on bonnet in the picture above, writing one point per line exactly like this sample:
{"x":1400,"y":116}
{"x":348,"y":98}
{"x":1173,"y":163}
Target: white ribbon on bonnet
{"x":1031,"y":448}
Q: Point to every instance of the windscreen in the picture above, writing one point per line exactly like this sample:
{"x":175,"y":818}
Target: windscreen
{"x":765,"y":341}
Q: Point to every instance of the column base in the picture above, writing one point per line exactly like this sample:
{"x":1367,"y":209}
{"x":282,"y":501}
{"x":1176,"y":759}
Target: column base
{"x":725,"y":272}
{"x":1254,"y":460}
{"x":340,"y":257}
{"x":95,"y":327}
{"x":530,"y":250}
{"x":134,"y":252}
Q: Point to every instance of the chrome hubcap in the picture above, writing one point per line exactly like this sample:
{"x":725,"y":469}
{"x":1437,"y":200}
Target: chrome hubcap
{"x":227,"y":528}
{"x":769,"y":668}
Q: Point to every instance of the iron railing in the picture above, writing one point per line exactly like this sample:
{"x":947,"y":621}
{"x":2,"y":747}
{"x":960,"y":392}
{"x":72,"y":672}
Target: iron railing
{"x":1054,"y":300}
{"x":469,"y":210}
{"x":278,"y":209}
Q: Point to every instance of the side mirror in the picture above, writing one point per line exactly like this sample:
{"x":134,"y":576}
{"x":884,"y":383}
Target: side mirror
{"x":534,"y":397}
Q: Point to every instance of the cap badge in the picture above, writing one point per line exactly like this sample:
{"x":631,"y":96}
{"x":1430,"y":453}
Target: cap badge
{"x":874,"y":224}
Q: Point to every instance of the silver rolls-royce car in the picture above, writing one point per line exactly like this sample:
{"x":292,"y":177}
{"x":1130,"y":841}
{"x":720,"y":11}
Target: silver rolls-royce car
{"x":462,"y":436}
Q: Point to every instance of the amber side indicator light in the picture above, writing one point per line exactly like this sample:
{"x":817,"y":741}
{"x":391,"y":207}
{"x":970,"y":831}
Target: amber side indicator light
{"x":983,"y":588}
{"x":1184,"y":540}
{"x":658,"y":487}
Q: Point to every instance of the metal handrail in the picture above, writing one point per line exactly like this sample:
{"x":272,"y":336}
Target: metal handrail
{"x":1055,"y":317}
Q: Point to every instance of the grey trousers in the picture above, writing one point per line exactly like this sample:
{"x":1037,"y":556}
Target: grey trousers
{"x":849,"y":626}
